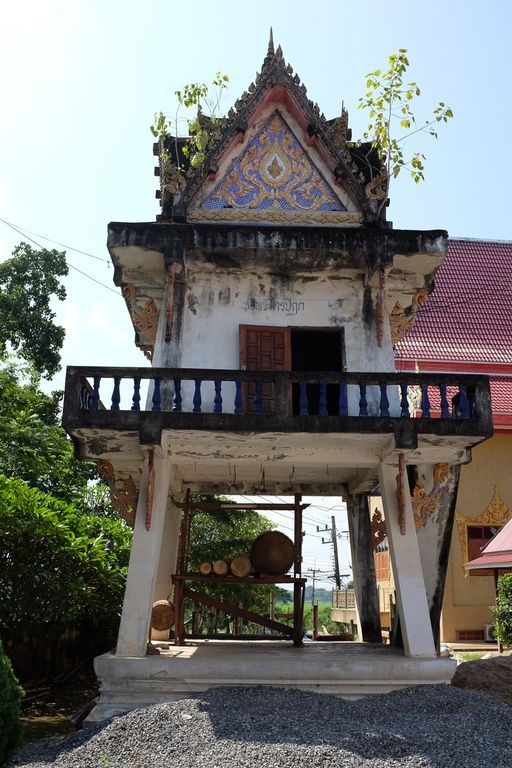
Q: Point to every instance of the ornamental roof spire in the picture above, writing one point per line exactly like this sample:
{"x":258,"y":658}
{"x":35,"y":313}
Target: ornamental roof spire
{"x":270,"y":51}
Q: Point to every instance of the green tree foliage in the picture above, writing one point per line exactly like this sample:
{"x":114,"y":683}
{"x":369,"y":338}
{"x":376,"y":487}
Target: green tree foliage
{"x":193,"y":95}
{"x":29,"y":280}
{"x":389,"y":100}
{"x":33,"y":445}
{"x":57,"y":564}
{"x":503,"y":610}
{"x":11,"y":694}
{"x":223,"y":535}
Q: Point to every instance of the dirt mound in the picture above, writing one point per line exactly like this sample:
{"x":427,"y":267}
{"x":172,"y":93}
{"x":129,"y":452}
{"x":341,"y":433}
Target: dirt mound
{"x":492,"y":676}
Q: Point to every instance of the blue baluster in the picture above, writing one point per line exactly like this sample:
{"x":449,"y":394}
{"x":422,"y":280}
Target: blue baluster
{"x":217,"y":400}
{"x":322,"y":404}
{"x":343,"y":400}
{"x":363,"y":403}
{"x":445,"y":410}
{"x":95,"y":400}
{"x":177,"y":396}
{"x":239,"y":398}
{"x":197,"y":396}
{"x":258,"y":404}
{"x":465,"y":410}
{"x":384,"y":402}
{"x":157,"y":398}
{"x":136,"y":394}
{"x":425,"y":402}
{"x":116,"y":395}
{"x":303,"y":399}
{"x":404,"y":402}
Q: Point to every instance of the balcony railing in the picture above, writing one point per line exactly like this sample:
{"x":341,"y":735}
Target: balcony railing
{"x":344,"y":598}
{"x":188,"y":398}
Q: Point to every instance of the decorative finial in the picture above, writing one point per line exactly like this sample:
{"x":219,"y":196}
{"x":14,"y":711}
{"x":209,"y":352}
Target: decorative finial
{"x":270,"y":51}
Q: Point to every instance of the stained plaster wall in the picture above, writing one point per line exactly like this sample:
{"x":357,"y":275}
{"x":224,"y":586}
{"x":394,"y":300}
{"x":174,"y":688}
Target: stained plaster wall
{"x":467,"y":598}
{"x":434,"y":533}
{"x":216,"y":302}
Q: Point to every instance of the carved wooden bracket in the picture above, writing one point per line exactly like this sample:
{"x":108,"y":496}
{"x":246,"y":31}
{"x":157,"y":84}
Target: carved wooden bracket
{"x":170,"y":301}
{"x":380,"y":308}
{"x":151,"y":488}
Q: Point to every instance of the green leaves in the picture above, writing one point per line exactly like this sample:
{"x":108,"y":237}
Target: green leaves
{"x":11,"y":694}
{"x":73,"y":562}
{"x":29,"y":280}
{"x":192,"y":95}
{"x":33,"y":445}
{"x":388,"y":100}
{"x":502,"y":611}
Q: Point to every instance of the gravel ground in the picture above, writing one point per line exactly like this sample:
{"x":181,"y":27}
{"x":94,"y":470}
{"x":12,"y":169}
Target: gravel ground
{"x":420,"y":727}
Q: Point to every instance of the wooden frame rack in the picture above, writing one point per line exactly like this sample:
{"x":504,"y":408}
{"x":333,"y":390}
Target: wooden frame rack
{"x":180,"y":579}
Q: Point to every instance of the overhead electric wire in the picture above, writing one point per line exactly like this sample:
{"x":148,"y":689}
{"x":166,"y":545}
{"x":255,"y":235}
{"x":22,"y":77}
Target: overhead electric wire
{"x":72,"y":266}
{"x":21,"y":230}
{"x":308,"y":518}
{"x":430,"y":306}
{"x":277,"y":512}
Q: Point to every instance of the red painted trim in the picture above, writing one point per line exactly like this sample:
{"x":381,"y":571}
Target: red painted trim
{"x":502,"y":420}
{"x":436,"y":366}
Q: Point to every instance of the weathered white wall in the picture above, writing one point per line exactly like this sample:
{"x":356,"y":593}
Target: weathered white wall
{"x":218,"y":302}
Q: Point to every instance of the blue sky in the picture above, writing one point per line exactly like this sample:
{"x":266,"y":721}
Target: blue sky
{"x":81,"y":80}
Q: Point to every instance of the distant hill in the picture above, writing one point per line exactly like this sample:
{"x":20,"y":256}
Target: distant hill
{"x":321,"y":595}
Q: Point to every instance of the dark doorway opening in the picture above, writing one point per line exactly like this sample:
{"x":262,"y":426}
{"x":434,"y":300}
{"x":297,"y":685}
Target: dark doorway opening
{"x":316,"y":350}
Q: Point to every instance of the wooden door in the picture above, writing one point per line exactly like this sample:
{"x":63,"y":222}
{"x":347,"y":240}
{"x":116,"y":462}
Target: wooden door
{"x":264,"y":348}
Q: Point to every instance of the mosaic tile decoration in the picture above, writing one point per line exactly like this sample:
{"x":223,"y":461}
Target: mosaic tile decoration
{"x":274,"y":172}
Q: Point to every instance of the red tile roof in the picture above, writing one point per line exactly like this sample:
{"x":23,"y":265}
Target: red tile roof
{"x":501,"y":395}
{"x":468,"y":318}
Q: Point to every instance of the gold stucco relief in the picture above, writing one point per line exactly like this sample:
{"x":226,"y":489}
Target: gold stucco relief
{"x":424,"y":504}
{"x":123,"y":493}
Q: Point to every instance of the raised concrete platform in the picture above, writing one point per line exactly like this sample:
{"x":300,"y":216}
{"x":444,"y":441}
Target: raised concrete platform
{"x":349,"y":670}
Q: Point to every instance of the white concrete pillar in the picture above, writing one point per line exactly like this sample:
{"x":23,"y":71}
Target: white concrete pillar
{"x":405,"y":557}
{"x":167,"y":561}
{"x":144,"y":561}
{"x":168,"y":552}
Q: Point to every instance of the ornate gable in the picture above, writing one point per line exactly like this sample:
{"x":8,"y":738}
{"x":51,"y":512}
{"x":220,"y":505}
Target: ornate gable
{"x":274,"y":172}
{"x":276,"y":153}
{"x":273,"y":178}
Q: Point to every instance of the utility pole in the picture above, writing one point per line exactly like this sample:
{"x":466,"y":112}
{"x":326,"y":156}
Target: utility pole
{"x":317,"y":573}
{"x":314,"y":572}
{"x":335,"y":550}
{"x":333,"y":541}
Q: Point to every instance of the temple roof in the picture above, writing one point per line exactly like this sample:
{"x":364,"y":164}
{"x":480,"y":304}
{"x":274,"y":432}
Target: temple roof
{"x":353,"y":167}
{"x":466,"y":324}
{"x":468,"y":318}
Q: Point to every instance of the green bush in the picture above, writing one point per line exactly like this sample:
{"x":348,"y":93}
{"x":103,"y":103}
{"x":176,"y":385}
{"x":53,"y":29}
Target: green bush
{"x":11,"y":694}
{"x":58,"y":565}
{"x":503,"y":610}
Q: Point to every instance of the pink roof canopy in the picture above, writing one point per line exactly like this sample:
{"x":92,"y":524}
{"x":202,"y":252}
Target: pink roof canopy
{"x":497,"y":553}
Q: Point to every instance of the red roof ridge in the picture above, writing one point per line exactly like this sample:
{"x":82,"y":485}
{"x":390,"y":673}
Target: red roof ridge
{"x":479,"y":240}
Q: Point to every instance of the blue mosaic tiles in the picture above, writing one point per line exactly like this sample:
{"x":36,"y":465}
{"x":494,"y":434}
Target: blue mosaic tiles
{"x":274,"y":172}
